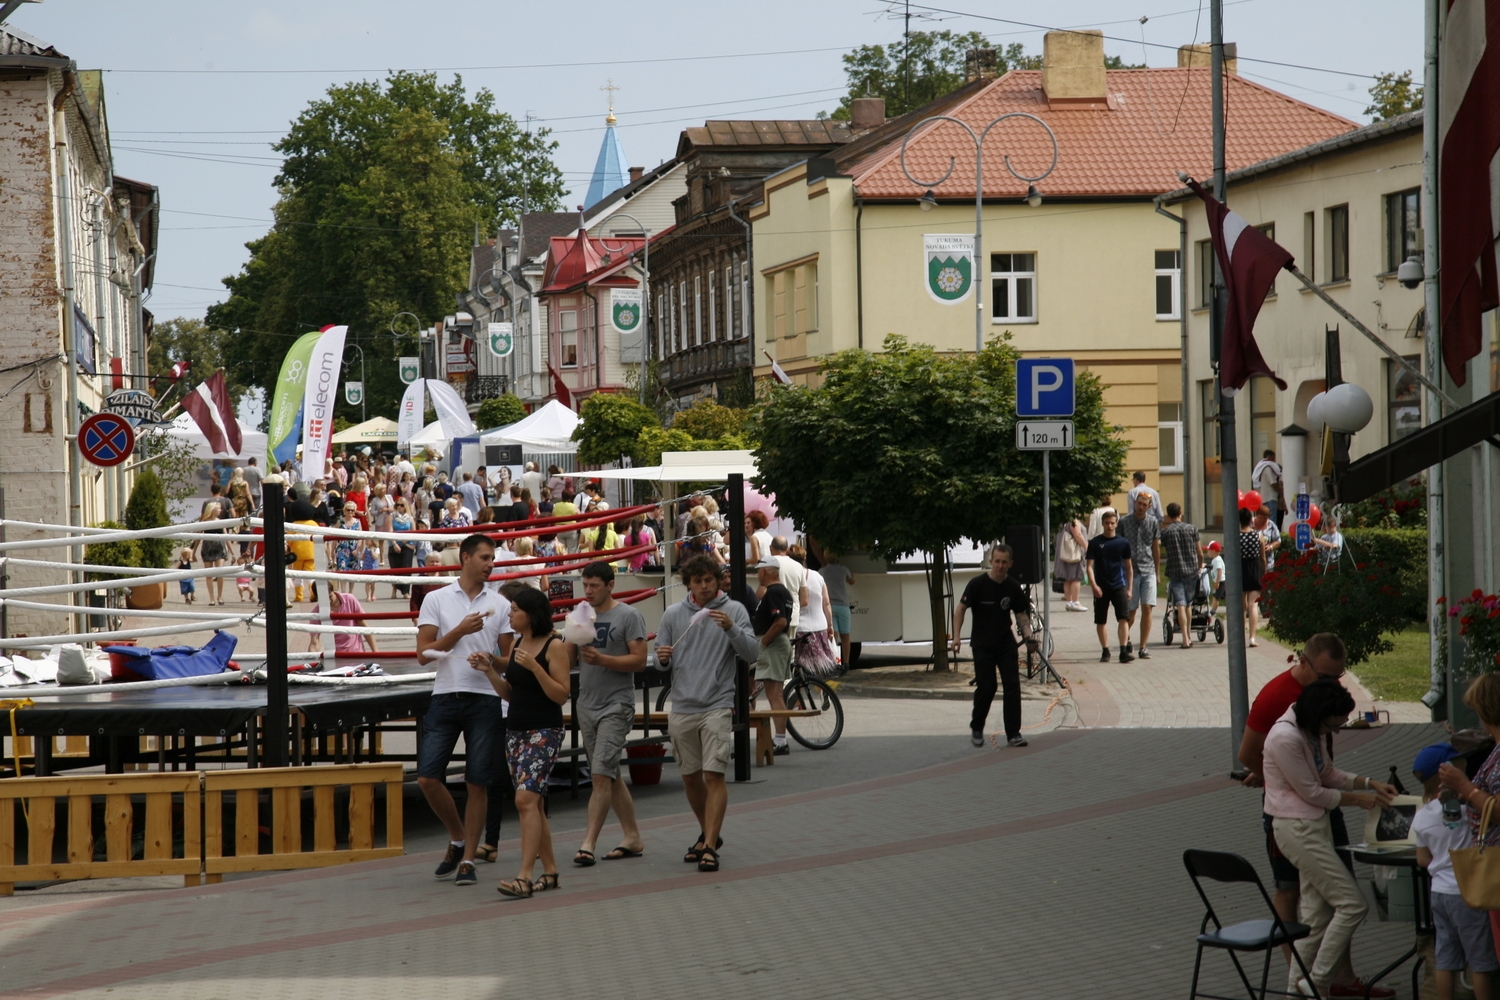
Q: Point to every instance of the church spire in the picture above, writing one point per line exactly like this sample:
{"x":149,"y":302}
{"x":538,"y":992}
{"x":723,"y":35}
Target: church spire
{"x":611,"y":170}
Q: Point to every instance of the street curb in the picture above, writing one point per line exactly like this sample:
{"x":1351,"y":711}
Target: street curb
{"x":883,"y":691}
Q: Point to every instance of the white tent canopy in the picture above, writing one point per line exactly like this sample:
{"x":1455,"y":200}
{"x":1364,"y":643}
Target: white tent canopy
{"x":548,"y":430}
{"x":374,"y":429}
{"x":687,"y":467}
{"x":252,"y":441}
{"x":430,"y":436}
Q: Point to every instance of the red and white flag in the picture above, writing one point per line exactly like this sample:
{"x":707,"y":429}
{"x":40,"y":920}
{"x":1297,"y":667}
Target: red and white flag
{"x":212,"y":411}
{"x":1468,"y":190}
{"x":776,"y":371}
{"x":1249,"y":259}
{"x":560,"y":389}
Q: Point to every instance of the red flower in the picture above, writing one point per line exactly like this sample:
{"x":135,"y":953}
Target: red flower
{"x":1442,"y":600}
{"x":1478,"y":594}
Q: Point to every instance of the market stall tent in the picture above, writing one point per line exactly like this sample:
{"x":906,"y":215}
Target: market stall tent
{"x":185,"y":430}
{"x":548,"y":430}
{"x":374,"y":429}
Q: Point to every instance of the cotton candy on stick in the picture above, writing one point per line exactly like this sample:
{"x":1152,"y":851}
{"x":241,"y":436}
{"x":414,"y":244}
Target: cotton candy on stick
{"x":578,"y":627}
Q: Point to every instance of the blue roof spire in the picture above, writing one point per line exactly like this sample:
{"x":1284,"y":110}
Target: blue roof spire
{"x":611,"y":170}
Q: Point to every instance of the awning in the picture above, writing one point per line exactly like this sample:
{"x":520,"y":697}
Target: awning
{"x":1422,"y":449}
{"x":687,"y":467}
{"x":374,"y":429}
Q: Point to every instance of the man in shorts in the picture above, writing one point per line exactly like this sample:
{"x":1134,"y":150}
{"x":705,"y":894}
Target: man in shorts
{"x":1184,"y":556}
{"x":1111,"y":574}
{"x":606,"y":709}
{"x":837,"y":577}
{"x":462,"y":618}
{"x":1323,"y":655}
{"x":1142,"y":530}
{"x":774,"y":614}
{"x":699,"y":639}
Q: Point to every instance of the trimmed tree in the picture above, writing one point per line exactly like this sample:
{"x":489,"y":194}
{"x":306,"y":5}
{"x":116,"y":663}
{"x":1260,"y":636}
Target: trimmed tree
{"x":939,"y":429}
{"x":499,"y":411}
{"x":610,"y":428}
{"x":147,"y":508}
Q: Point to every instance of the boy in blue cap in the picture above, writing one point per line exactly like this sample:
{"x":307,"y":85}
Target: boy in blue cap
{"x":1463,"y":935}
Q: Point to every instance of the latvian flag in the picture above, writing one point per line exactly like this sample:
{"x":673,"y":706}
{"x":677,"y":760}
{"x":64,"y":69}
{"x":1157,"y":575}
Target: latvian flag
{"x":211,"y":409}
{"x":1468,"y":179}
{"x":776,"y":370}
{"x":1249,"y":260}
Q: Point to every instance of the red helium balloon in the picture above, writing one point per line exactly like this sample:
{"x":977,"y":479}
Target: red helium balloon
{"x":1314,"y":516}
{"x":1250,"y":501}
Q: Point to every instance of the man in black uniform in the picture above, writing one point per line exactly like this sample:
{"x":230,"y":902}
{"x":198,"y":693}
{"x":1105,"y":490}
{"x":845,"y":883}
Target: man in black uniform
{"x":995,"y":597}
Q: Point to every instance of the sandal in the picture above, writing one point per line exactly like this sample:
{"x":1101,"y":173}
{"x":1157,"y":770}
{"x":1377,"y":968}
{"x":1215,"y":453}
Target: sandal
{"x":584,"y":859}
{"x":709,"y":861}
{"x":546,"y":882}
{"x":622,"y":852}
{"x":695,"y":852}
{"x":484,"y":852}
{"x":516,"y":888}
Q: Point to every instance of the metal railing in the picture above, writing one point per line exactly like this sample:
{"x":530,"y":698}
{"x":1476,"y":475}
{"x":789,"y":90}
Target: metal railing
{"x":483,"y":387}
{"x":708,"y":360}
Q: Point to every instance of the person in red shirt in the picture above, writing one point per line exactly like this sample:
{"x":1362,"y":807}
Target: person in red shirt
{"x":1323,"y":655}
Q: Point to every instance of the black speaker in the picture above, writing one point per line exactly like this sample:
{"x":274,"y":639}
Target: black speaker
{"x":1025,"y":541}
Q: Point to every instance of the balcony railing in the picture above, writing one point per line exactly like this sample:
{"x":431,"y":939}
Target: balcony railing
{"x":708,"y":361}
{"x":483,"y":387}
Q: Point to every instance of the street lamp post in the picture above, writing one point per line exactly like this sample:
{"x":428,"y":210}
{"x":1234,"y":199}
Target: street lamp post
{"x":929,"y":200}
{"x":645,"y":270}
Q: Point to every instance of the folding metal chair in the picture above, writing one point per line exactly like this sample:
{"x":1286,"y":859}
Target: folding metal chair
{"x":1262,"y":935}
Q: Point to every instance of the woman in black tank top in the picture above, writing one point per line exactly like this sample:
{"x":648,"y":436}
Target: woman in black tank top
{"x":536,"y":683}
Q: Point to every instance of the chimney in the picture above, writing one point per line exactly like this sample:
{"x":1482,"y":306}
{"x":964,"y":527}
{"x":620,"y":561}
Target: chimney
{"x":1201,"y":57}
{"x":1073,"y":67}
{"x":867,"y":112}
{"x":980,"y":64}
{"x":635,"y":173}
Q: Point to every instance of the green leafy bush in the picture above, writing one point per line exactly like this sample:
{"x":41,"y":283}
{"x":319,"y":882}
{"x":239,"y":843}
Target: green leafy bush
{"x":499,"y":411}
{"x":1362,"y":599}
{"x":124,"y":553}
{"x":1401,"y":506}
{"x":611,"y":425}
{"x":147,"y":508}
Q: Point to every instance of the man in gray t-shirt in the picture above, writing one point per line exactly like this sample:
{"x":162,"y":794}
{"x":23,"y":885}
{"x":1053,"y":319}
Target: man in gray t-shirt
{"x":606,"y":709}
{"x":1143,"y":532}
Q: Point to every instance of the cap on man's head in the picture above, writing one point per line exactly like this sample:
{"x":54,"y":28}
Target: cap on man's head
{"x":769,"y":563}
{"x":1429,"y":759}
{"x":1215,"y":547}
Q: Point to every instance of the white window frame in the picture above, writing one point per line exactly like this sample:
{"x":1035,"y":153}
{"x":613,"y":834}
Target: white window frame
{"x":697,"y":310}
{"x":1175,"y":273}
{"x":684,"y":332}
{"x":728,"y":303}
{"x":563,"y":335}
{"x":1176,"y":427}
{"x":713,"y":308}
{"x":1012,"y":279}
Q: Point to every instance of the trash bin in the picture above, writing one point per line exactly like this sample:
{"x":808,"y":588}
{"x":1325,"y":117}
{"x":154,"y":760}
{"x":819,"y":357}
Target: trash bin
{"x":645,"y":774}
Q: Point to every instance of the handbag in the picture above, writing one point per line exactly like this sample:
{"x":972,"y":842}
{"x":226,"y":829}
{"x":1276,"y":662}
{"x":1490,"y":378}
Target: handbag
{"x":1477,"y":869}
{"x":1057,"y":585}
{"x":1068,"y":549}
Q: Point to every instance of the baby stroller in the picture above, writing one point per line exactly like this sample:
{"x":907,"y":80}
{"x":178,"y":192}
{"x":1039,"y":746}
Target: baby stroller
{"x":1199,"y":619}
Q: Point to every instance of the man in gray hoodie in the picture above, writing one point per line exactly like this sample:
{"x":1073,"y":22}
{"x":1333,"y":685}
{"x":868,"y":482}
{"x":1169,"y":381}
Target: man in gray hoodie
{"x":699,"y":639}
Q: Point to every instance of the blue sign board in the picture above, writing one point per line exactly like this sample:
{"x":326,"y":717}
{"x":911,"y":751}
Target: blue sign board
{"x":1044,"y":387}
{"x":1304,"y":535}
{"x":1304,"y":506}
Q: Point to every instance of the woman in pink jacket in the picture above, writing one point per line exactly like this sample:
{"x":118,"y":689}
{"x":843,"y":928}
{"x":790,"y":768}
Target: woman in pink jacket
{"x":1302,"y":785}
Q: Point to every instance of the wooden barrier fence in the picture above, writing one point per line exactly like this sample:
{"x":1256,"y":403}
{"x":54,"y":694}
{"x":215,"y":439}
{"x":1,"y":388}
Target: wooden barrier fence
{"x":184,"y":829}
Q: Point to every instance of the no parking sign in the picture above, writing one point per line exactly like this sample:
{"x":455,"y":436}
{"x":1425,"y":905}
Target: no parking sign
{"x":106,"y":439}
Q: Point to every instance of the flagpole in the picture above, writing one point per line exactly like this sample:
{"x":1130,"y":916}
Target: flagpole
{"x":1229,"y":460}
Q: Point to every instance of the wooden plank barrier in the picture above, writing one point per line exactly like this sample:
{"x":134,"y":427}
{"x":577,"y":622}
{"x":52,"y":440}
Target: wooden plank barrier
{"x":172,"y":841}
{"x":283,"y":788}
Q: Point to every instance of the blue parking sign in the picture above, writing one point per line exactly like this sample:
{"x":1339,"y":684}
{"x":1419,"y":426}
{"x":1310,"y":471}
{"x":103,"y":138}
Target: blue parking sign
{"x":1044,"y":387}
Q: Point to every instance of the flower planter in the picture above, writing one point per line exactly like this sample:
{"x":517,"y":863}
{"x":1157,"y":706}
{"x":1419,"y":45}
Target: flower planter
{"x":147,"y":597}
{"x":646,"y":774}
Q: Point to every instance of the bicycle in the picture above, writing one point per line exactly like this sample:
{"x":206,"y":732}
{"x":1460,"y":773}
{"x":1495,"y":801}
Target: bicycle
{"x":801,"y":691}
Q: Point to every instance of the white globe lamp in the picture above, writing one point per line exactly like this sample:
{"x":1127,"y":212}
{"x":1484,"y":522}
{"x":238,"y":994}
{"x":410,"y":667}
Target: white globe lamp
{"x":1347,"y":408}
{"x":1315,"y":416}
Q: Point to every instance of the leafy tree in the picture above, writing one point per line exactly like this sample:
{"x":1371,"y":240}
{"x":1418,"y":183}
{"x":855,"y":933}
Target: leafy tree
{"x":610,"y":427}
{"x":924,"y":66}
{"x":707,"y":419}
{"x":384,"y":185}
{"x":654,"y":440}
{"x":499,"y":411}
{"x":1393,"y":94}
{"x":937,"y":429}
{"x":123,"y":553}
{"x":188,"y":339}
{"x":147,"y":508}
{"x":175,"y":465}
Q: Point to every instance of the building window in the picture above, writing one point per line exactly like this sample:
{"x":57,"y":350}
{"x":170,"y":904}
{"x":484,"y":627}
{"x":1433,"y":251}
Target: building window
{"x":697,"y":309}
{"x":805,"y":298}
{"x":1309,"y":246}
{"x":663,"y":318}
{"x":776,"y":292}
{"x":1405,"y":402}
{"x":567,"y":331}
{"x":1205,"y":261}
{"x":1213,"y":477}
{"x":1338,"y":243}
{"x":1169,"y":456}
{"x":1269,"y":229}
{"x":1403,"y":220}
{"x":1262,"y":415}
{"x":728,"y":303}
{"x":713,"y":308}
{"x":1168,"y":284}
{"x":684,"y":330}
{"x":1013,"y":284}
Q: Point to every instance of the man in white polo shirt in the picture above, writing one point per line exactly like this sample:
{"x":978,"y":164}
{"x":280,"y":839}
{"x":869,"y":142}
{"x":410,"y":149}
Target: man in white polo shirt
{"x":459,"y":619}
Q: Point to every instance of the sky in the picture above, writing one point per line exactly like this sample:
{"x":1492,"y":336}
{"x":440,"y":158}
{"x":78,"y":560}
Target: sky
{"x":197,"y":90}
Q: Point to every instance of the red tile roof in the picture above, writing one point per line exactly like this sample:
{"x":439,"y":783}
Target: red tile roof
{"x":574,"y":259}
{"x":1154,"y":123}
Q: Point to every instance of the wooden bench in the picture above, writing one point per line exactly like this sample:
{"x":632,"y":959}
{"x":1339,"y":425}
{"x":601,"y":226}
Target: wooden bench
{"x":764,"y":751}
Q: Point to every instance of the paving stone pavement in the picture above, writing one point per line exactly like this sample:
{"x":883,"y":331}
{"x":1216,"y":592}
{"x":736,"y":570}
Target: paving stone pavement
{"x":890,"y":866}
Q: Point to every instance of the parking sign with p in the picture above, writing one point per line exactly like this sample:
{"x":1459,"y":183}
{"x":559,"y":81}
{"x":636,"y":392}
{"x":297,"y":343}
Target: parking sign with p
{"x":1044,"y":387}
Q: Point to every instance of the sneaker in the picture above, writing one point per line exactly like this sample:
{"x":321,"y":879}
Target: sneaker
{"x":450,"y":862}
{"x":1125,"y":656}
{"x":1104,"y":655}
{"x":1143,"y":655}
{"x":1130,"y":647}
{"x":976,"y":737}
{"x":1357,"y":989}
{"x":1017,"y":741}
{"x":781,"y":750}
{"x":467,"y":875}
